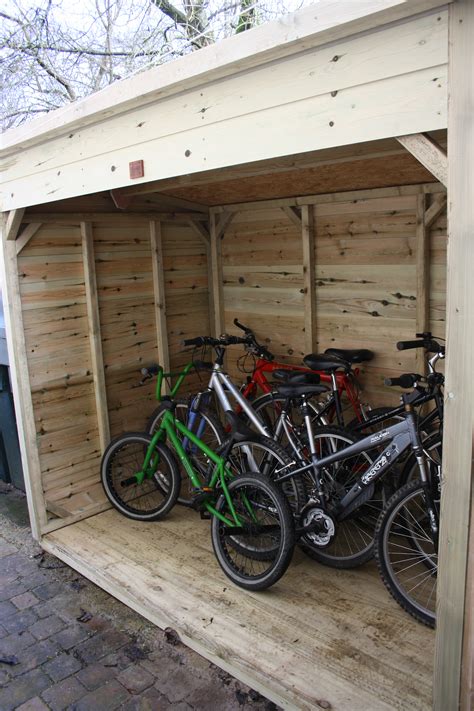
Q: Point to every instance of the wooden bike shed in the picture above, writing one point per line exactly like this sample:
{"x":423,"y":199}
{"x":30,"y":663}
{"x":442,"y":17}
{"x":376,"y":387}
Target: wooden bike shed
{"x":295,"y":175}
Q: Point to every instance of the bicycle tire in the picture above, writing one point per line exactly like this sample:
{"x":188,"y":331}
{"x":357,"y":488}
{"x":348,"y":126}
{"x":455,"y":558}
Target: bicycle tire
{"x":353,"y":542}
{"x":213,"y":436}
{"x":391,"y":527}
{"x":154,"y":497}
{"x":434,"y":446}
{"x":243,"y":457}
{"x":264,"y":406}
{"x":260,"y":573}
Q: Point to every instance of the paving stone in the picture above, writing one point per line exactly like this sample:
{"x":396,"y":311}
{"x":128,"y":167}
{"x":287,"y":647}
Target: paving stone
{"x":179,"y":685}
{"x":6,"y":549}
{"x":62,"y":666}
{"x":3,"y":631}
{"x":118,"y":660}
{"x":135,"y":679}
{"x":7,"y":578}
{"x":71,"y":636}
{"x":4,"y":677}
{"x":34,"y":656}
{"x":48,"y":590}
{"x":15,"y":643}
{"x":33,"y":705}
{"x":106,"y":698}
{"x":96,"y":675}
{"x":10,"y":562}
{"x":63,"y":695}
{"x":101,"y":644}
{"x":46,"y":627}
{"x":149,"y":700}
{"x":6,"y":609}
{"x":22,"y":689}
{"x":210,"y":694}
{"x":20,"y":621}
{"x":27,"y":599}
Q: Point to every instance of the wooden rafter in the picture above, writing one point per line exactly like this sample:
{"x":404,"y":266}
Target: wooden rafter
{"x":293,"y":214}
{"x":75,"y":218}
{"x":428,"y":153}
{"x":14,"y":220}
{"x":30,"y":230}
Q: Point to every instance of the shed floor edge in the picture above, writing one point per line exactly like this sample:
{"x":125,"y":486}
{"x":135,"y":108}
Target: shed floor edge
{"x":274,"y":642}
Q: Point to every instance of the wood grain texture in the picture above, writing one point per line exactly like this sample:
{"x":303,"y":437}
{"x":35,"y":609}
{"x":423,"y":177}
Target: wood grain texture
{"x":368,"y":654}
{"x":429,"y":153}
{"x":455,"y":631}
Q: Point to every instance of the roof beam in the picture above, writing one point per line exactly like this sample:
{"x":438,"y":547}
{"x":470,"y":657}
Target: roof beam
{"x":14,"y":220}
{"x":428,"y":153}
{"x":30,"y":230}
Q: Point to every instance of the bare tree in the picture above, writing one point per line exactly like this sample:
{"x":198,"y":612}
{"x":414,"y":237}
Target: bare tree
{"x":54,"y":52}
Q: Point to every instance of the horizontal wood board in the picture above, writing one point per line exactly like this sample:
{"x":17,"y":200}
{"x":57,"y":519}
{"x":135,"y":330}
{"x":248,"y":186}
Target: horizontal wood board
{"x":318,"y":635}
{"x":381,"y":84}
{"x":365,"y":277}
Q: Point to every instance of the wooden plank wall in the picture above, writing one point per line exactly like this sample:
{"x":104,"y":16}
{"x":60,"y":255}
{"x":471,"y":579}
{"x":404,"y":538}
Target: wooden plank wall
{"x":56,"y":331}
{"x":365,"y":273}
{"x":58,"y":339}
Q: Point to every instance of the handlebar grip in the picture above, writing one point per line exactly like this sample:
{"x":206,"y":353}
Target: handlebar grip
{"x":199,"y":341}
{"x":407,"y":345}
{"x":407,"y":380}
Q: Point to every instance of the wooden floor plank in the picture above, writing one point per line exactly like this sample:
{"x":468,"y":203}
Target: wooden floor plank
{"x":319,"y":634}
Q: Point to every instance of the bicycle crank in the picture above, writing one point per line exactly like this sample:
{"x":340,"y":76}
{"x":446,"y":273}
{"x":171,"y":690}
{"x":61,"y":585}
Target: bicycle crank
{"x":317,"y":526}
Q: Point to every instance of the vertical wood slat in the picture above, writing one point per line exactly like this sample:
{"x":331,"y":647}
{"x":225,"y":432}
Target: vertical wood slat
{"x":309,"y":276}
{"x":95,"y":338}
{"x":156,"y":240}
{"x":217,"y":278}
{"x":455,"y":629}
{"x":20,"y":379}
{"x":422,"y":278}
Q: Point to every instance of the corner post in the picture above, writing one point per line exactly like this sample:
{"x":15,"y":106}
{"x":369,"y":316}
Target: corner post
{"x":309,"y":277}
{"x":21,"y":383}
{"x":454,"y":656}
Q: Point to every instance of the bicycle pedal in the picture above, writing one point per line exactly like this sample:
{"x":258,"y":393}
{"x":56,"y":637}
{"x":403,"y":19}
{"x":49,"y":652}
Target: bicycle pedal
{"x":205,"y":515}
{"x":199,"y":498}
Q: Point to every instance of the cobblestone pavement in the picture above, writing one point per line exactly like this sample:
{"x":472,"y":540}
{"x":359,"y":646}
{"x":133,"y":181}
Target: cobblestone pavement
{"x":66,"y":644}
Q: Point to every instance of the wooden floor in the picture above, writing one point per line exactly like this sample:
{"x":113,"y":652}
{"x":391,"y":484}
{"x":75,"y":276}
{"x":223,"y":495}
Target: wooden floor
{"x":319,"y":634}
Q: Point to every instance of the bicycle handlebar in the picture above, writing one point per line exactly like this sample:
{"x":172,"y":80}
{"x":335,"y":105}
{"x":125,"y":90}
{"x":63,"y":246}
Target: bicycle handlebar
{"x":407,"y":380}
{"x":222,"y":341}
{"x":425,"y":340}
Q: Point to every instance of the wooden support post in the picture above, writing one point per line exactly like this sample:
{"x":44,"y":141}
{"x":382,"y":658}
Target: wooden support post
{"x":216,"y":286}
{"x":159,"y":294}
{"x":422,"y":278}
{"x":435,"y":209}
{"x":21,"y":383}
{"x":95,"y":334}
{"x":428,"y":153}
{"x":309,"y":277}
{"x":14,"y":220}
{"x":453,"y":678}
{"x":29,"y":232}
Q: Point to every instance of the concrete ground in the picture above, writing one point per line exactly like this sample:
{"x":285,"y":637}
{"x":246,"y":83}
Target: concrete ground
{"x":67,"y":644}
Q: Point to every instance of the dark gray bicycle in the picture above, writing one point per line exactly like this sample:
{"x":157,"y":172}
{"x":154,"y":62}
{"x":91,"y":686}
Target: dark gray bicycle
{"x":342,"y":488}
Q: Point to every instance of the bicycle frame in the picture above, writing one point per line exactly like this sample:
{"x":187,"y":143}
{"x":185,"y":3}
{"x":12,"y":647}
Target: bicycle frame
{"x":168,"y":427}
{"x":341,"y":383}
{"x":400,"y":437}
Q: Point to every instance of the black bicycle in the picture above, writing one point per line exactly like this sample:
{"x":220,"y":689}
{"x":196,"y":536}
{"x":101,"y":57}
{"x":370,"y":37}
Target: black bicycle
{"x":341,"y":487}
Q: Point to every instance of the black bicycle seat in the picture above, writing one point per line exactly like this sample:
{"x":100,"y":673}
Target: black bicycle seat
{"x":297,"y":390}
{"x":239,"y":431}
{"x":295,"y":376}
{"x":360,"y":355}
{"x":325,"y":362}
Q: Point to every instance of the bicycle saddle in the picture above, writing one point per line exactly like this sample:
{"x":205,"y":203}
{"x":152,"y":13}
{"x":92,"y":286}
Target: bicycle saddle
{"x":326,"y":361}
{"x":296,"y":390}
{"x":239,"y":431}
{"x":295,"y":376}
{"x":352,"y":356}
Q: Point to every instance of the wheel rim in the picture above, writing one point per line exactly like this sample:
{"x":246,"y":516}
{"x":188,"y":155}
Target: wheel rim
{"x":410,"y":553}
{"x":144,"y":498}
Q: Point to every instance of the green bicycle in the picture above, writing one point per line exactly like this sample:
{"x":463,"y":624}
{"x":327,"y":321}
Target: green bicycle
{"x":252,"y":528}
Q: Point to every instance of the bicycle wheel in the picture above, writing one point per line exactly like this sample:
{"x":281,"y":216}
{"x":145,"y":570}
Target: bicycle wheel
{"x":267,"y":524}
{"x":156,"y":495}
{"x":353,"y":542}
{"x":206,"y":426}
{"x":433,"y":448}
{"x":263,"y":455}
{"x":406,"y":553}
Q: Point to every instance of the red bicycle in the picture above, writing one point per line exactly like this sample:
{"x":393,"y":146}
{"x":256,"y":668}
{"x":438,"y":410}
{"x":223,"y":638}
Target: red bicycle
{"x":333,"y":367}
